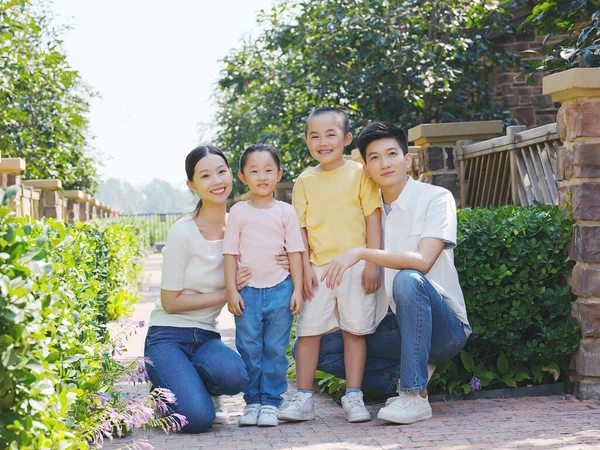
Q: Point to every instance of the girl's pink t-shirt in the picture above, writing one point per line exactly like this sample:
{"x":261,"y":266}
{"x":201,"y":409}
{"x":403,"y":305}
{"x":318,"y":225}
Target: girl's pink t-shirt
{"x":257,"y":235}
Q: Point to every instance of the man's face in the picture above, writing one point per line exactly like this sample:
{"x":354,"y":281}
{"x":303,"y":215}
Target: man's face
{"x":386,"y":163}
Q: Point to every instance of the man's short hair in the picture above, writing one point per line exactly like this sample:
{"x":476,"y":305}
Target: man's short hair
{"x":341,"y":115}
{"x":380,"y":130}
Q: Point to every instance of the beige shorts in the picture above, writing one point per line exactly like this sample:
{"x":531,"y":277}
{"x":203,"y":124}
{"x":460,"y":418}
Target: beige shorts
{"x":346,"y":307}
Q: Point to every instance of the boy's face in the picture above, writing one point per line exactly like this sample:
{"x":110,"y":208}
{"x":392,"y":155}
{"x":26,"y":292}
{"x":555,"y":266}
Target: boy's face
{"x":325,"y":138}
{"x":386,"y":164}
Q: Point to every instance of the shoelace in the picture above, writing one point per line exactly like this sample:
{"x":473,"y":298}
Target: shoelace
{"x":406,"y":400}
{"x":354,"y":403}
{"x":296,"y":402}
{"x":248,"y":410}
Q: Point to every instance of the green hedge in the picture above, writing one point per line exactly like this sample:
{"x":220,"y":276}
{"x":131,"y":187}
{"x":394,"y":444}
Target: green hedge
{"x":59,"y":287}
{"x":512,"y":265}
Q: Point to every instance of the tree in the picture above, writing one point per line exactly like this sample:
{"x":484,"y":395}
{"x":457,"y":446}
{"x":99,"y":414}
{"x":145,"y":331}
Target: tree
{"x":577,"y":22}
{"x":406,"y":61}
{"x":43,"y":101}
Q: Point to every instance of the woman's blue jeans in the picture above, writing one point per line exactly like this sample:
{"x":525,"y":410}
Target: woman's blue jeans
{"x":193,"y":364}
{"x":261,"y":336}
{"x":424,"y":329}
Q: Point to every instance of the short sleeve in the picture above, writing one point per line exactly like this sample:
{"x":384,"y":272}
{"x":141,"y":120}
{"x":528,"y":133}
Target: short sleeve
{"x":293,"y":237}
{"x":231,"y":240}
{"x":369,"y":194}
{"x":299,"y":202}
{"x":175,"y":256}
{"x":440,"y":219}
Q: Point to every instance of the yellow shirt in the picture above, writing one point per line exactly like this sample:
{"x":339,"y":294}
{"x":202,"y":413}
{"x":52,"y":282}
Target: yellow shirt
{"x":332,"y":206}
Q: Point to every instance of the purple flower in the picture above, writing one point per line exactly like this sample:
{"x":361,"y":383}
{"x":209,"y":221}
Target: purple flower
{"x":142,"y":323}
{"x":475,"y":384}
{"x":103,"y":396}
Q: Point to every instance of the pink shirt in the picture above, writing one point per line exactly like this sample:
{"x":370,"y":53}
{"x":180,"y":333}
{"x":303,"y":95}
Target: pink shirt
{"x":257,"y":235}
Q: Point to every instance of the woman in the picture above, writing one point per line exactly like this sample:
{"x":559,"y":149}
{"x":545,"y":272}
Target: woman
{"x":185,"y":350}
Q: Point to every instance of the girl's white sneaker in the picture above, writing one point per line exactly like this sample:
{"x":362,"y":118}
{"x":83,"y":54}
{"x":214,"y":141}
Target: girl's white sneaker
{"x":250,"y":415}
{"x":268,"y":416}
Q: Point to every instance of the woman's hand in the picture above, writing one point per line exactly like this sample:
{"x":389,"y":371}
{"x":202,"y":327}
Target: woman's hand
{"x":283,"y":260}
{"x":335,"y":271}
{"x":242,"y":277}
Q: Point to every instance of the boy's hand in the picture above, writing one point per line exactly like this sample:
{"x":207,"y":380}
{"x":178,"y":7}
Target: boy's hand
{"x":311,"y":282}
{"x":283,"y":260}
{"x":296,"y":303}
{"x":235,"y":303}
{"x":370,"y":278}
{"x":242,"y":277}
{"x":335,"y":271}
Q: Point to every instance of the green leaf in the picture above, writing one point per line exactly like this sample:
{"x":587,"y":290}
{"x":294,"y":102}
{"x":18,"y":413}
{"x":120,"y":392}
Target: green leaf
{"x":502,"y":363}
{"x":467,"y":361}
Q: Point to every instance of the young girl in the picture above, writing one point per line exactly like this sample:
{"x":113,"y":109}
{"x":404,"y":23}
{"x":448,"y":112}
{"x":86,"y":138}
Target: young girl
{"x":257,"y":230}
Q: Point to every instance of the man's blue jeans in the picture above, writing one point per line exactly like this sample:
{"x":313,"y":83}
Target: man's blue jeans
{"x":424,"y":329}
{"x":261,"y":336}
{"x":193,"y":364}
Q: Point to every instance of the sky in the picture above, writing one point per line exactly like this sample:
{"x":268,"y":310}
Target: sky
{"x":155,"y":65}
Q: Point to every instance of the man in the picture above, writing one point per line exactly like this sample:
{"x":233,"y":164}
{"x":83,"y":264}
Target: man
{"x":422,"y":318}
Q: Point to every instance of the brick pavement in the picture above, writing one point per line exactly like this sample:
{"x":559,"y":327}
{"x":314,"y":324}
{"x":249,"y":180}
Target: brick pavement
{"x":541,"y":423}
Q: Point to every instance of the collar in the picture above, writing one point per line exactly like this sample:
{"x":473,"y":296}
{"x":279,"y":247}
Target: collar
{"x":403,"y":200}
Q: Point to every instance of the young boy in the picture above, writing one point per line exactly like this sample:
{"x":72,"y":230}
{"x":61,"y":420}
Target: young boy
{"x":338,"y":209}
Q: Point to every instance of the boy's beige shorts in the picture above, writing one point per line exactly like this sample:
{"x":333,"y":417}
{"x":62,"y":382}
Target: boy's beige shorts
{"x":345,"y":307}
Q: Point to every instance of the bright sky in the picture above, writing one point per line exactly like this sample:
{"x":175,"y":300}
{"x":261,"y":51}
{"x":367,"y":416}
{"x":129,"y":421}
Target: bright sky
{"x":155,"y":65}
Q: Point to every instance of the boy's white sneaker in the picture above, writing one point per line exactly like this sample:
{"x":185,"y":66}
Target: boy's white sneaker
{"x":301,"y":407}
{"x":250,"y":415}
{"x":268,"y":416}
{"x":409,"y":407}
{"x":221,"y":414}
{"x":354,"y":408}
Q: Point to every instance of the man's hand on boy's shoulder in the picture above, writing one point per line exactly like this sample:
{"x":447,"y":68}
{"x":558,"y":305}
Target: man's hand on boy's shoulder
{"x":370,"y":278}
{"x":338,"y":265}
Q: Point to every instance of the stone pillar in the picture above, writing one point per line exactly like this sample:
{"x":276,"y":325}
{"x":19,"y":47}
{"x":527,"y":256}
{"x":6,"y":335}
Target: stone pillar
{"x":10,"y":172}
{"x":105,"y":211}
{"x":74,"y":200}
{"x":438,"y":149}
{"x":578,"y":125}
{"x":51,"y":199}
{"x":85,"y":208}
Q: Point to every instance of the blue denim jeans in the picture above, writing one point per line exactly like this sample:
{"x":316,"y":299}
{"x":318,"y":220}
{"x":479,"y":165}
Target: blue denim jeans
{"x":261,"y":336}
{"x":424,"y":329}
{"x":193,"y":364}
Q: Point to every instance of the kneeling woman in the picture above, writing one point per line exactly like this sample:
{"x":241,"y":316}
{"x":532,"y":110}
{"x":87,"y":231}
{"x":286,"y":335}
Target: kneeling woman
{"x":186,"y":353}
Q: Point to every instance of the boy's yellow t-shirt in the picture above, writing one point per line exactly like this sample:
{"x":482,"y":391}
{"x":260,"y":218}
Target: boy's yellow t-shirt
{"x":332,"y":206}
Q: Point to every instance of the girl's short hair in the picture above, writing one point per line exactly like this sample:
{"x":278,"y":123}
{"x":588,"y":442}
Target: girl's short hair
{"x":260,"y":148}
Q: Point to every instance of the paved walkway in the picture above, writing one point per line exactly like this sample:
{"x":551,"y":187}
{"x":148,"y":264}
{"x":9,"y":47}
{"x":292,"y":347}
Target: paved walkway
{"x":541,"y":423}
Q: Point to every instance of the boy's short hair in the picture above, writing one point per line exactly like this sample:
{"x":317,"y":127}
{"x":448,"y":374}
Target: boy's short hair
{"x":342,"y":117}
{"x":380,"y":130}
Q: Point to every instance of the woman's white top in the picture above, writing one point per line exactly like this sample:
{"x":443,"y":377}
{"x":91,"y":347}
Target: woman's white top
{"x":192,"y":265}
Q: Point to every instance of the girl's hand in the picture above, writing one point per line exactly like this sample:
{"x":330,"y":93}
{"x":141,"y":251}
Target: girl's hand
{"x":370,"y":278}
{"x":296,"y":303}
{"x":283,"y":260}
{"x":335,"y":271}
{"x":311,"y":282}
{"x":242,"y":277}
{"x":235,"y":304}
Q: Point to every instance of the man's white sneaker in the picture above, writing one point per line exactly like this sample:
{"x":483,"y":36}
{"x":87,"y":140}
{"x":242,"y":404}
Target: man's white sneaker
{"x":268,"y":416}
{"x":249,"y":415}
{"x":354,"y":408}
{"x":301,"y":407}
{"x":430,"y":369}
{"x":221,"y":414}
{"x":409,"y":407}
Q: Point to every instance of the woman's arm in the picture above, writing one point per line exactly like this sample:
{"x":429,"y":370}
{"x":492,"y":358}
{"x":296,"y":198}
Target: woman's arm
{"x":175,"y":302}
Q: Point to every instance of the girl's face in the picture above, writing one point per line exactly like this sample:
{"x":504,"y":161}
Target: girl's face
{"x":261,"y":174}
{"x":212,"y":179}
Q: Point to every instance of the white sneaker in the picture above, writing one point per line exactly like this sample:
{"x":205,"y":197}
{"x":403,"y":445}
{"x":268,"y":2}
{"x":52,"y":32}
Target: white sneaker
{"x":221,"y":414}
{"x":249,"y":416}
{"x":408,"y":407}
{"x":430,"y":369}
{"x":301,"y":407}
{"x":354,"y":408}
{"x":268,"y":416}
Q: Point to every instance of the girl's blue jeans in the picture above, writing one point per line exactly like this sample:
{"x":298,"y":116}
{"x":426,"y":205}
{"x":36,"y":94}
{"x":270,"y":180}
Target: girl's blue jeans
{"x":193,"y":364}
{"x":424,"y":329}
{"x":262,"y":335}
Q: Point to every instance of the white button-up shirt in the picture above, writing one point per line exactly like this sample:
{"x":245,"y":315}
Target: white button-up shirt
{"x":424,"y":211}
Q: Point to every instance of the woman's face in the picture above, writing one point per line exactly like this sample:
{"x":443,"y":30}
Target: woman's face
{"x":212,"y":179}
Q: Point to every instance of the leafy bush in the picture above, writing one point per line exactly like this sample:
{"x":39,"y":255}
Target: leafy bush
{"x":511,"y":263}
{"x":59,"y":286}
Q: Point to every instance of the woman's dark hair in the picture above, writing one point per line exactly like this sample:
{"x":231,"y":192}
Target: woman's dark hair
{"x":192,"y":159}
{"x":260,"y":148}
{"x":341,"y":116}
{"x":380,"y":130}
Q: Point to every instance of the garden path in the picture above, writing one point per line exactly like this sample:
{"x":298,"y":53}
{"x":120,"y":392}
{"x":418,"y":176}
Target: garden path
{"x":558,"y":422}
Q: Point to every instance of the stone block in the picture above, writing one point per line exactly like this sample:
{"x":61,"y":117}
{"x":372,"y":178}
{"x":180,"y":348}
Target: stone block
{"x":450,"y":157}
{"x":586,"y":390}
{"x":587,"y":358}
{"x":588,"y":314}
{"x":433,"y":158}
{"x":587,"y":243}
{"x":586,"y":160}
{"x":564,"y":194}
{"x":578,"y":120}
{"x":585,"y":282}
{"x":542,"y":101}
{"x":511,"y":100}
{"x":448,"y":181}
{"x":565,"y":164}
{"x":525,"y":115}
{"x":586,"y":201}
